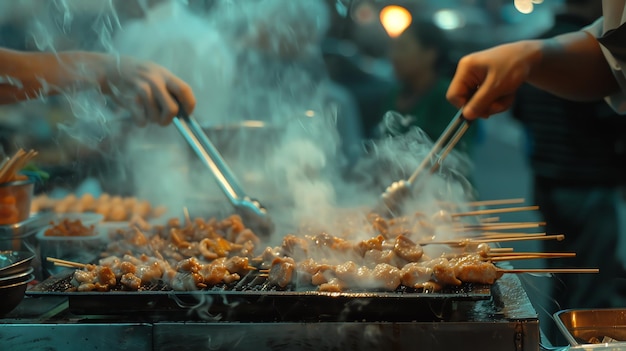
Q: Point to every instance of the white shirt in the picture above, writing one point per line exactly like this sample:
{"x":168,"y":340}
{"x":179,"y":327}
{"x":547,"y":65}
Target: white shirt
{"x":614,"y":14}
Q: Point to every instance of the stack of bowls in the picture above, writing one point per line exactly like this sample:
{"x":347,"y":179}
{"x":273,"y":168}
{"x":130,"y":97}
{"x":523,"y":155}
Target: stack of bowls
{"x":15,"y":274}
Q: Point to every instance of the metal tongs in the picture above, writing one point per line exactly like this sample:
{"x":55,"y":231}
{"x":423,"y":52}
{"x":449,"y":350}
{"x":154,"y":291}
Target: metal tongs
{"x":397,"y":192}
{"x":252,"y":212}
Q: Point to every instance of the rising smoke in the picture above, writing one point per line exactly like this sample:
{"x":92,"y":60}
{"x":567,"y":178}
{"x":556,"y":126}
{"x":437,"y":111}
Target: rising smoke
{"x":246,"y":60}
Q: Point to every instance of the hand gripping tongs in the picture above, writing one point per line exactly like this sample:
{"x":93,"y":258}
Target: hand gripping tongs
{"x":397,"y":192}
{"x":253,"y":214}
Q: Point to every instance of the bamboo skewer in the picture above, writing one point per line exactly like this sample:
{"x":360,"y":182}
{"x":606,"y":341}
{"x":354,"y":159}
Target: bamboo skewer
{"x":558,"y":237}
{"x":10,"y":166}
{"x":501,"y":226}
{"x":519,"y":257}
{"x":494,"y":211}
{"x":501,"y":249}
{"x":549,"y":270}
{"x":464,"y":242}
{"x":65,"y":263}
{"x":187,"y":217}
{"x":541,"y":254}
{"x":496,"y":202}
{"x":490,"y":220}
{"x":509,"y":235}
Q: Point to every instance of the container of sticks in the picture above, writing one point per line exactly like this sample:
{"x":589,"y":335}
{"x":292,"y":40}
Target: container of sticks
{"x":16,"y":190}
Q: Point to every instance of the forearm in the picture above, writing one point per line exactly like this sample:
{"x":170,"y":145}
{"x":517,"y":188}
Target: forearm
{"x":572,"y":66}
{"x":26,"y":75}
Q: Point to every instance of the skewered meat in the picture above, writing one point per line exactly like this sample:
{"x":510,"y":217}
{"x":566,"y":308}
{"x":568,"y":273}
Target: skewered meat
{"x":414,"y":275}
{"x":407,"y":249}
{"x":282,"y":271}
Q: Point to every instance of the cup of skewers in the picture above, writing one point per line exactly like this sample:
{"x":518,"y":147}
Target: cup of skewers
{"x":15,"y":199}
{"x":16,"y":189}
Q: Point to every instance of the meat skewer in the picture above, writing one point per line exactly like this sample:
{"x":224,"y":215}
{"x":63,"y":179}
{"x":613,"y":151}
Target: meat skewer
{"x":495,"y":210}
{"x":465,"y":242}
{"x":496,"y":202}
{"x":522,"y":257}
{"x":57,"y":261}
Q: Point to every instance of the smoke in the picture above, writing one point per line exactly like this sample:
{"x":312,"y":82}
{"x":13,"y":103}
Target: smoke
{"x":256,"y":60}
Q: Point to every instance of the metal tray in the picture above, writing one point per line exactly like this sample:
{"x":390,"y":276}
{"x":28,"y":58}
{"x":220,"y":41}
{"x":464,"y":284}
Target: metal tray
{"x":580,"y":325}
{"x":251,"y":301}
{"x":25,"y":228}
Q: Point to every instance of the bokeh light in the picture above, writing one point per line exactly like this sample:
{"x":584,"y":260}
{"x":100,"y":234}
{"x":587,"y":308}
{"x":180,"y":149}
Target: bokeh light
{"x":395,"y":19}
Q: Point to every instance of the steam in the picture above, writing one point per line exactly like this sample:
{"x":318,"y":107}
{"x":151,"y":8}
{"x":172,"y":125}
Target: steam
{"x":246,"y":60}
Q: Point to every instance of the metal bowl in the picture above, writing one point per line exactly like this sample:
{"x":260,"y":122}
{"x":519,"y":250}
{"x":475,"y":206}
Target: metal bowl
{"x":16,"y":278}
{"x":11,"y":295}
{"x":17,"y":196}
{"x":14,"y":262}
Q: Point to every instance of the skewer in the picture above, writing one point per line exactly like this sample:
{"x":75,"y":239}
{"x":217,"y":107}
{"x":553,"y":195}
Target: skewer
{"x":495,"y":210}
{"x":496,"y":202}
{"x":464,"y":242}
{"x":510,"y":235}
{"x":264,"y":275}
{"x":520,"y":257}
{"x":549,"y":270}
{"x":502,"y":226}
{"x":59,"y":264}
{"x":65,"y":262}
{"x":558,"y":237}
{"x":490,"y":220}
{"x":542,"y":254}
{"x":501,"y":249}
{"x":187,"y":217}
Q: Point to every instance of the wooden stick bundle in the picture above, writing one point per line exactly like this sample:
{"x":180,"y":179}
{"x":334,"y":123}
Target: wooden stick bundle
{"x":11,"y":167}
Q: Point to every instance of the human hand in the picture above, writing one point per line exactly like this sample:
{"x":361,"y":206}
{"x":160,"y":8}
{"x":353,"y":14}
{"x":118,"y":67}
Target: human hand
{"x":149,"y":91}
{"x":485,"y":82}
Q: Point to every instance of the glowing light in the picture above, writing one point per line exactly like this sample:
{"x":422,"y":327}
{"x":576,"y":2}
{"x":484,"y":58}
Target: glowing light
{"x":395,"y":19}
{"x":310,"y":113}
{"x":448,"y":19}
{"x":524,"y":6}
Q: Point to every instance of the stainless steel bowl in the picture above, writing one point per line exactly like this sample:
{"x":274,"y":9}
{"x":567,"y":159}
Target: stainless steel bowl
{"x":14,"y":262}
{"x":11,"y":295}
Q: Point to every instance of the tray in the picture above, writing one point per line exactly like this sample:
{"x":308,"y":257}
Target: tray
{"x":25,"y":228}
{"x":580,"y":325}
{"x":246,"y":302}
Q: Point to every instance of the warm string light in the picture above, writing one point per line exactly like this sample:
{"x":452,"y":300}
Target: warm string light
{"x":395,"y":19}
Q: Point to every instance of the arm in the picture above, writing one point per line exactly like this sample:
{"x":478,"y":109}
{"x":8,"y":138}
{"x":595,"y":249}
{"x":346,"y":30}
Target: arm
{"x":571,"y":66}
{"x":148,"y":90}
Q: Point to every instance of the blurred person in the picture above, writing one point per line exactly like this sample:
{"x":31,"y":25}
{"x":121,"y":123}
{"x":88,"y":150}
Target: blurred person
{"x":421,"y":65}
{"x":578,"y":158}
{"x":150,"y":91}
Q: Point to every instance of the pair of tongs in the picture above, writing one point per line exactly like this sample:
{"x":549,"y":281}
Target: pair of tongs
{"x":252,"y":212}
{"x":397,"y":192}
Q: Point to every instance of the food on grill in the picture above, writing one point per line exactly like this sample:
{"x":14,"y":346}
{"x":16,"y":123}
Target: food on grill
{"x":192,"y":256}
{"x":113,"y":208}
{"x":380,"y":255}
{"x":68,"y":227}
